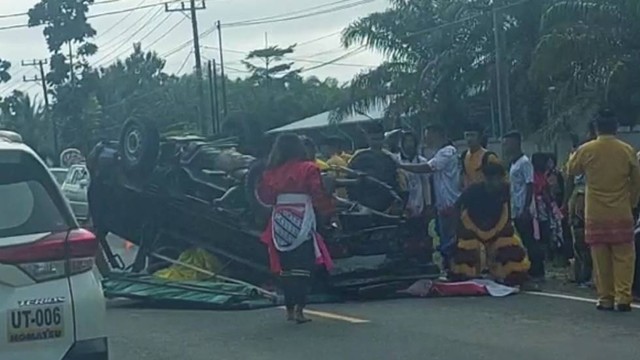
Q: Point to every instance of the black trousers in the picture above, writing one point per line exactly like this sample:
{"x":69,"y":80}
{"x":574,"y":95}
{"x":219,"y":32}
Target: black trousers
{"x":535,"y":250}
{"x":297,"y":266}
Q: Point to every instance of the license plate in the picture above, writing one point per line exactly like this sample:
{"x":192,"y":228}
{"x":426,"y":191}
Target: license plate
{"x":35,"y":323}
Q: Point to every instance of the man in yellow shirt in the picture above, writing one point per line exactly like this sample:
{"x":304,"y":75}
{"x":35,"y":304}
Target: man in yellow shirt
{"x":612,"y":175}
{"x":475,"y":157}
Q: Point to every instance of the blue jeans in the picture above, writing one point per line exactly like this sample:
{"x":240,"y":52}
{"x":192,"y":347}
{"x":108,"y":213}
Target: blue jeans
{"x":448,"y":241}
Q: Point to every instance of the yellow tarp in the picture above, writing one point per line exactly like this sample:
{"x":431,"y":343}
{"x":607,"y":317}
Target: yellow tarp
{"x":195,"y":257}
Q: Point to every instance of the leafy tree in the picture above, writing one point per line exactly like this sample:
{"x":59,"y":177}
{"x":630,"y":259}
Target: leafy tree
{"x":4,"y":71}
{"x":20,"y":113}
{"x":589,"y":53}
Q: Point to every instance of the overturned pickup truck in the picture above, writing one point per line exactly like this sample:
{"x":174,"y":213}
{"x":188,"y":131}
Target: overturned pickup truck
{"x":168,"y":194}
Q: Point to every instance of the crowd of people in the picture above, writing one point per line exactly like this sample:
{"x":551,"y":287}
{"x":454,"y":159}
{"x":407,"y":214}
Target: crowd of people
{"x":504,"y":217}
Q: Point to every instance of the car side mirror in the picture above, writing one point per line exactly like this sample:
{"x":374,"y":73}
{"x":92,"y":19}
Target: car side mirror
{"x":84,"y":183}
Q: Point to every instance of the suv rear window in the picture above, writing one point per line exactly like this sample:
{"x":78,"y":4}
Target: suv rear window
{"x":29,"y":200}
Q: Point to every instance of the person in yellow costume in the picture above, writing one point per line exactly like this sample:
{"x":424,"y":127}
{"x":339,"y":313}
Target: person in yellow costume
{"x":331,"y":148}
{"x":475,"y":157}
{"x":612,"y":176}
{"x":485,"y":220}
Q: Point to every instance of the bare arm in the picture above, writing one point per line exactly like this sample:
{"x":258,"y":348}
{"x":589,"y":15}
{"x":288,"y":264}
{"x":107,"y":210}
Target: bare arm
{"x":423,"y":168}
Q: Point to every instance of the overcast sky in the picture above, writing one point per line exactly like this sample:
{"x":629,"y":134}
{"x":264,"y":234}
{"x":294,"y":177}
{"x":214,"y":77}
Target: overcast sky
{"x":19,"y":44}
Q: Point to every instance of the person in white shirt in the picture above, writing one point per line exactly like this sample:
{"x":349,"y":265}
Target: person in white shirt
{"x":445,"y":170}
{"x":418,"y":190}
{"x":521,"y":189}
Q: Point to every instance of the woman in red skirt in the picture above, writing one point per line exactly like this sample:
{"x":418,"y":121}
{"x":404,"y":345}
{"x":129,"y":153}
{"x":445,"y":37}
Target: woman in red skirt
{"x":293,"y":186}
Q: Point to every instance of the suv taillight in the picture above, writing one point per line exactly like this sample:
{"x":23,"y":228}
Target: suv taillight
{"x":45,"y":259}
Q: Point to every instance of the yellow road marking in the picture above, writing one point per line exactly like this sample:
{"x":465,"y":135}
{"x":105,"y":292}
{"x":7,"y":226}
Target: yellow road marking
{"x":570,"y":297}
{"x":333,"y":316}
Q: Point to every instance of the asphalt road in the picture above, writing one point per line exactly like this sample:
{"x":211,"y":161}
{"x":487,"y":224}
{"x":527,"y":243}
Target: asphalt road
{"x":523,"y":327}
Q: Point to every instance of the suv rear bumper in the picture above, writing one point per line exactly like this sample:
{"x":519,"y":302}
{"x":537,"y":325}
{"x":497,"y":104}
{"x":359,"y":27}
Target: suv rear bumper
{"x":94,"y":349}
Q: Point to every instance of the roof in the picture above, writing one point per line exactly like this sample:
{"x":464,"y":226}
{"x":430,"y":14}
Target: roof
{"x":324,"y":120}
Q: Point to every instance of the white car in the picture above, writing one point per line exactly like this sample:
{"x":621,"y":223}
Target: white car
{"x":74,"y":188}
{"x":51,"y":301}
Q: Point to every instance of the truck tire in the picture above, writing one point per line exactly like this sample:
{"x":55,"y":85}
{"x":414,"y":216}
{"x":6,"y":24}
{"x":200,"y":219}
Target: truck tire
{"x":139,"y":147}
{"x":380,"y":166}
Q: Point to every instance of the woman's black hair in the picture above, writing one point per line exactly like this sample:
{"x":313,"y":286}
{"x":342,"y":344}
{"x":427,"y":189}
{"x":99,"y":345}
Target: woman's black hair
{"x":606,"y":122}
{"x":409,"y":134}
{"x":310,"y":147}
{"x":287,"y":147}
{"x":493,"y":169}
{"x":539,"y":161}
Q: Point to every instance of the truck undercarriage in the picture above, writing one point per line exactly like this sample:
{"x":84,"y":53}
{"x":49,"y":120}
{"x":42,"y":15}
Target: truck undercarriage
{"x":173,"y":193}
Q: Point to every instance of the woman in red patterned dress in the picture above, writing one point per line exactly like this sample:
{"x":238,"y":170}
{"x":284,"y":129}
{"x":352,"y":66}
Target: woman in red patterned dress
{"x":293,"y":186}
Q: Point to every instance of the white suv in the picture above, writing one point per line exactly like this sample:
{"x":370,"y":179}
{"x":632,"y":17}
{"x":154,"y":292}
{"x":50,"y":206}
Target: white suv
{"x":51,"y":303}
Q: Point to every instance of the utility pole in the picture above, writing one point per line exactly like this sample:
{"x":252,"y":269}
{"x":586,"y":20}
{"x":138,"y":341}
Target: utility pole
{"x":224,"y":78}
{"x":45,"y":93}
{"x":192,"y":7}
{"x":503,"y":103}
{"x":212,"y":100}
{"x":215,"y":94}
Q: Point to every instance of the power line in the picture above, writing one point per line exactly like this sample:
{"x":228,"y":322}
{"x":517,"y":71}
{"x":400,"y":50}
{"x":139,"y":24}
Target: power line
{"x":353,"y":52}
{"x":126,"y":41}
{"x":127,"y":30}
{"x":188,"y":42}
{"x":273,"y":17}
{"x":108,"y":13}
{"x":167,"y":32}
{"x":304,"y":43}
{"x":184,"y":63}
{"x":287,"y":17}
{"x":7,"y":16}
{"x":465,"y":19}
{"x":307,"y":60}
{"x":117,"y":23}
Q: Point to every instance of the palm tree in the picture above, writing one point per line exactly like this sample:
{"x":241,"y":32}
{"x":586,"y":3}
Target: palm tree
{"x":19,"y":113}
{"x":439,"y":60}
{"x":590,"y":54}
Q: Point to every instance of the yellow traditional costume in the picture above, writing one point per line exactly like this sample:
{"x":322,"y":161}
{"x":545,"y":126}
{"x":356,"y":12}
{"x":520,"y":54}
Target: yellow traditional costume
{"x":485,"y":221}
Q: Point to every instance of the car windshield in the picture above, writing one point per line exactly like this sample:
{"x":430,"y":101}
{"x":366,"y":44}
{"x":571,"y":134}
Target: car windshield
{"x":29,"y":202}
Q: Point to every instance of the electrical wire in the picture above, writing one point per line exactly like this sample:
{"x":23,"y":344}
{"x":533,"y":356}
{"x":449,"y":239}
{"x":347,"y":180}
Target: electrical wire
{"x":188,"y":42}
{"x":184,"y":63}
{"x":124,"y":32}
{"x":293,"y":12}
{"x":7,"y":16}
{"x":117,"y":23}
{"x":287,"y":17}
{"x":108,"y":13}
{"x":351,"y":53}
{"x":304,"y":43}
{"x":307,"y":60}
{"x":166,"y":33}
{"x":126,"y":42}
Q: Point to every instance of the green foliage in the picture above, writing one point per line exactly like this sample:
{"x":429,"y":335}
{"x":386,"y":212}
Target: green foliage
{"x":63,"y":20}
{"x":4,"y":71}
{"x":20,"y":113}
{"x":589,"y":52}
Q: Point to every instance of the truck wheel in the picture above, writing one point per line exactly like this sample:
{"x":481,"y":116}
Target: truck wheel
{"x":380,"y":166}
{"x":139,"y":146}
